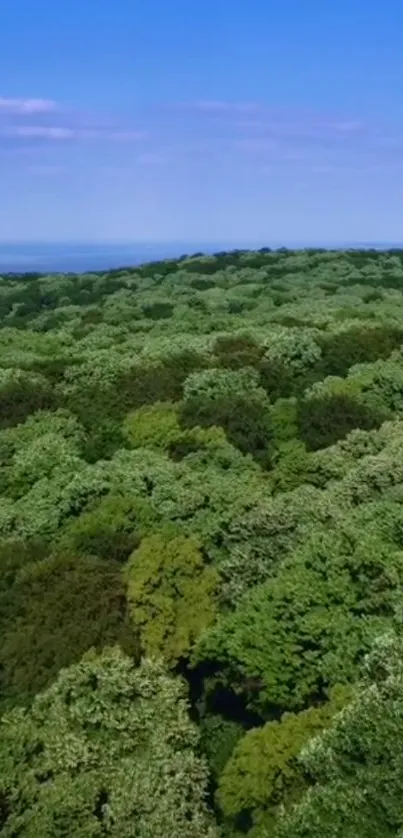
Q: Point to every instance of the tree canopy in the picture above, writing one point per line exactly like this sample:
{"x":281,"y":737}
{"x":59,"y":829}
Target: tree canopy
{"x":201,"y":547}
{"x":108,"y":749}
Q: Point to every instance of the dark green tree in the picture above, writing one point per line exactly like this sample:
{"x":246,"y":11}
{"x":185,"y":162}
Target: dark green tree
{"x":58,"y":608}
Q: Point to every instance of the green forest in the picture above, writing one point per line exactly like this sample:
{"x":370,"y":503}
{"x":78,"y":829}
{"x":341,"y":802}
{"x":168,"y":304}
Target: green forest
{"x":201,"y":548}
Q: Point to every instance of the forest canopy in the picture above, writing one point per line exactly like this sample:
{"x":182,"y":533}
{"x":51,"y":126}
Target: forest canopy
{"x":201,"y":548}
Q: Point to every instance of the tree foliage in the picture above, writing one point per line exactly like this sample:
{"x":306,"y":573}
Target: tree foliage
{"x":234,"y":401}
{"x":58,"y":608}
{"x":170,"y":593}
{"x":356,"y":767}
{"x":202,"y":459}
{"x":263,"y":772}
{"x":108,"y":749}
{"x":302,"y":632}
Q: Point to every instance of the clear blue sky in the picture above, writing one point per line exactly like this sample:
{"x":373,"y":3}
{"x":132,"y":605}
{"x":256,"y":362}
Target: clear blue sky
{"x":214,"y":121}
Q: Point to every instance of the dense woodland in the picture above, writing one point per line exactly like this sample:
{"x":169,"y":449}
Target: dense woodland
{"x":201,"y":548}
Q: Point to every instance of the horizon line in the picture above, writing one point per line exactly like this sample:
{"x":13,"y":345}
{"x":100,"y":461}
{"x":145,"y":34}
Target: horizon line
{"x":195,"y":242}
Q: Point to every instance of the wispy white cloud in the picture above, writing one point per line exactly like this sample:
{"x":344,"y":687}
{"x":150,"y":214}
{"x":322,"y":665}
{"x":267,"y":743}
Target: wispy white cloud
{"x":249,"y":133}
{"x":290,"y":125}
{"x":61,"y":133}
{"x":313,"y":140}
{"x":258,"y":115}
{"x":25,"y":121}
{"x":26,"y":106}
{"x":46,"y":132}
{"x":256,"y":129}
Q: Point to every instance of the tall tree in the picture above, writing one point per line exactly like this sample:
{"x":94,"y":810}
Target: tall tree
{"x":357,"y":765}
{"x":107,"y":750}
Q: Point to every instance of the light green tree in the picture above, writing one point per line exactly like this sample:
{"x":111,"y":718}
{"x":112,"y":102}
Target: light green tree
{"x":171,"y":593}
{"x":107,"y":750}
{"x":263,"y":772}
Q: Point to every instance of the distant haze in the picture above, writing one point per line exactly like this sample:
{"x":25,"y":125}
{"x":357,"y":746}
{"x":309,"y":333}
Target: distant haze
{"x":79,"y":257}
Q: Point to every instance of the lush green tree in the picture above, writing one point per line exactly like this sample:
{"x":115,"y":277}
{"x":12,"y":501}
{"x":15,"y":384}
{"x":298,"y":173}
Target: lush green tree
{"x":45,"y":443}
{"x":326,"y":417}
{"x":119,"y":307}
{"x":356,"y":767}
{"x":154,"y":426}
{"x":15,"y":554}
{"x":108,"y":749}
{"x":158,"y":309}
{"x":237,"y":350}
{"x":21,"y":393}
{"x":264,"y":531}
{"x":110,"y":529}
{"x":159,"y":380}
{"x":57,"y":608}
{"x":218,"y":738}
{"x":346,"y":347}
{"x":234,"y":401}
{"x":211,"y":385}
{"x":290,"y":356}
{"x":246,"y":404}
{"x":170,"y":593}
{"x":157,"y":426}
{"x":263,"y":772}
{"x":303,"y":631}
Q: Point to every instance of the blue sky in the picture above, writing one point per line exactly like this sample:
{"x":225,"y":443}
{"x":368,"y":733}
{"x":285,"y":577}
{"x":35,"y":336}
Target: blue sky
{"x":218,"y":121}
